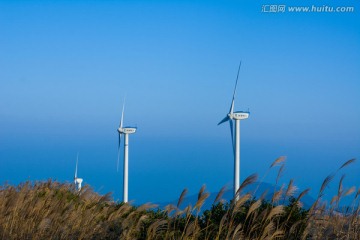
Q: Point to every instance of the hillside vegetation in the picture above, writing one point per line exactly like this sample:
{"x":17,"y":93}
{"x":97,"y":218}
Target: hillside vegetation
{"x":53,"y":210}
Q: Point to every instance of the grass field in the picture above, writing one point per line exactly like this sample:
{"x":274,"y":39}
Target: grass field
{"x":53,"y":210}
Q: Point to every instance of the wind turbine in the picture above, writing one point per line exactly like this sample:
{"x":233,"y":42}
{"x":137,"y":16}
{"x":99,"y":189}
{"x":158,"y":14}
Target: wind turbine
{"x":78,"y":181}
{"x":124,"y":131}
{"x":230,"y":117}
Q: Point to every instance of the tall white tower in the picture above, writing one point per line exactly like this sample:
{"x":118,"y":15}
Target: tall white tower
{"x":125,"y":131}
{"x":77,"y":181}
{"x":237,"y":117}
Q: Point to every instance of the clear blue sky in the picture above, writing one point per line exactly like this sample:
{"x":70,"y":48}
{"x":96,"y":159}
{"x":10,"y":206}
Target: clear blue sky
{"x":65,"y":67}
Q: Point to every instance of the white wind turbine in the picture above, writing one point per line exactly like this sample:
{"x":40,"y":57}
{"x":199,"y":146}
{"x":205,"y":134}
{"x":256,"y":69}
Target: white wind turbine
{"x":78,"y":181}
{"x":126,"y":131}
{"x":235,"y":116}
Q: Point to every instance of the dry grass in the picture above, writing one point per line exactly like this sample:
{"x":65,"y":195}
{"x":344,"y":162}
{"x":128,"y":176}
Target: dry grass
{"x":52,"y":210}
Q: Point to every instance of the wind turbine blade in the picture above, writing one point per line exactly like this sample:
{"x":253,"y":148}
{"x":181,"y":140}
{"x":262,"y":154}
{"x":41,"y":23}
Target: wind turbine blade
{"x":233,"y":98}
{"x":224,"y":120}
{"x":231,"y":111}
{"x":118,"y":159}
{"x":77,"y":160}
{"x":122,"y":115}
{"x":232,"y":135}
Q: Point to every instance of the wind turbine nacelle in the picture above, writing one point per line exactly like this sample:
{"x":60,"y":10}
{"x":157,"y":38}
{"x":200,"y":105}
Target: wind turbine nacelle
{"x":78,"y":180}
{"x":127,"y":130}
{"x":240,"y":115}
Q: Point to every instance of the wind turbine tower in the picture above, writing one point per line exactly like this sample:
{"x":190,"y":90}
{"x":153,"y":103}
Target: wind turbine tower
{"x":78,"y":181}
{"x":125,"y":131}
{"x":237,"y":117}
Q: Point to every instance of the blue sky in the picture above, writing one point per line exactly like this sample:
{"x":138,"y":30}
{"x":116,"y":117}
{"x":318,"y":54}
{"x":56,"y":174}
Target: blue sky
{"x":65,"y":67}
